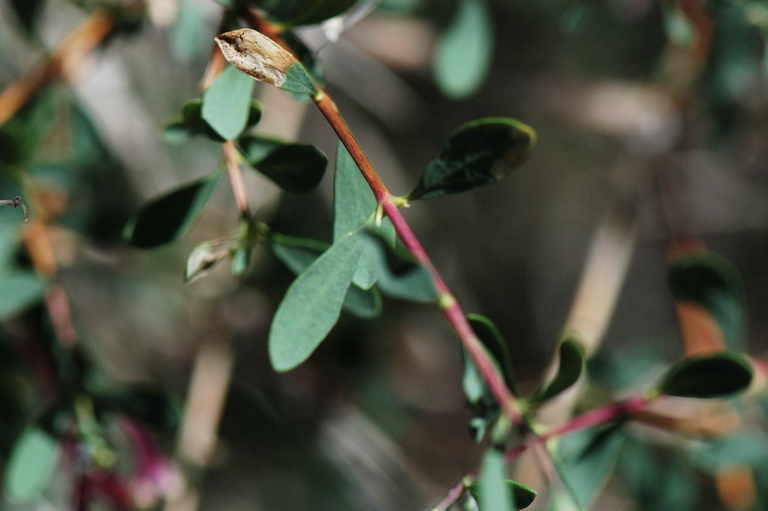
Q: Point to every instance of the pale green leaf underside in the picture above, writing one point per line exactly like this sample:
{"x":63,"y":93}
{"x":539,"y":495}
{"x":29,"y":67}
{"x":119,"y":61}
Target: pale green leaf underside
{"x":464,"y":51}
{"x":312,"y":304}
{"x":226,"y":103}
{"x":31,"y":465}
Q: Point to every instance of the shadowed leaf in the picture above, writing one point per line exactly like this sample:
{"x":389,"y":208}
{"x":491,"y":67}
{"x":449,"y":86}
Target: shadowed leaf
{"x":571,"y":364}
{"x":165,"y":218}
{"x":296,"y":168}
{"x":304,"y":12}
{"x":711,"y":281}
{"x":479,"y":153}
{"x":707,"y":376}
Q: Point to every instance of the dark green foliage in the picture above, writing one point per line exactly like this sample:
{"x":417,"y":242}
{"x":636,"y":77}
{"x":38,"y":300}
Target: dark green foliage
{"x":711,"y":281}
{"x":296,"y":168}
{"x":571,"y":365}
{"x":27,"y":13}
{"x":167,"y":217}
{"x":303,"y":12}
{"x":707,"y":376}
{"x":479,"y":396}
{"x":479,"y":153}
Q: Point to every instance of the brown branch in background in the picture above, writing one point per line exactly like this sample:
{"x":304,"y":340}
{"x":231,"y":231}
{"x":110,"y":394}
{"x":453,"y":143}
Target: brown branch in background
{"x":64,"y":62}
{"x":208,"y":387}
{"x":231,"y":161}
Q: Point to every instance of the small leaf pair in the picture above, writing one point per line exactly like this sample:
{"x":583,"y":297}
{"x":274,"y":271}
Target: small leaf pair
{"x":342,"y":275}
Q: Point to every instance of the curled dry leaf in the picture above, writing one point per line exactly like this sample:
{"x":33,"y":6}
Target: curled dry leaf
{"x":206,"y":255}
{"x":256,"y":55}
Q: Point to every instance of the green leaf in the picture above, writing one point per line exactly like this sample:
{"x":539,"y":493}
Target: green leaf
{"x":413,"y":283}
{"x":353,"y":207}
{"x":167,"y":217}
{"x":571,"y":356}
{"x":312,"y":304}
{"x":31,"y":465}
{"x":712,"y":282}
{"x":494,"y":342}
{"x":192,"y":123}
{"x":298,"y":253}
{"x":523,"y":496}
{"x":226,"y":103}
{"x":298,"y":80}
{"x":479,"y":153}
{"x":707,"y":376}
{"x":493,"y":491}
{"x":185,"y":40}
{"x":586,"y":459}
{"x":478,"y":395}
{"x":303,"y":12}
{"x":296,"y":168}
{"x":19,"y":291}
{"x":353,"y":200}
{"x":464,"y":51}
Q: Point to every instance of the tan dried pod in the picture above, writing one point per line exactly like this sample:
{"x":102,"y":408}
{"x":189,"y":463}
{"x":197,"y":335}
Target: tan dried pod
{"x":256,"y":55}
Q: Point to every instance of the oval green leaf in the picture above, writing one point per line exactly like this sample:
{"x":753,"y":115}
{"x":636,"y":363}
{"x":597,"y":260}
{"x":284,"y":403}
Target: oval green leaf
{"x":192,"y":123}
{"x":31,"y":465}
{"x":165,"y":218}
{"x":464,"y":51}
{"x":493,"y":492}
{"x":707,"y":376}
{"x":479,"y":153}
{"x":571,"y":365}
{"x":312,"y":304}
{"x":226,"y":103}
{"x":296,"y":168}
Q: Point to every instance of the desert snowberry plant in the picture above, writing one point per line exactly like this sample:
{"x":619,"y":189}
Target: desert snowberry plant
{"x":215,"y":308}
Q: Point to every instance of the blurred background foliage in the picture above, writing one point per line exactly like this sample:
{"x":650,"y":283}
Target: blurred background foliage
{"x":376,"y":418}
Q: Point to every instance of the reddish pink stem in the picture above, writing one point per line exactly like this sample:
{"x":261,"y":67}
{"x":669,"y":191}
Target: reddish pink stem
{"x":447,"y":302}
{"x":588,"y":420}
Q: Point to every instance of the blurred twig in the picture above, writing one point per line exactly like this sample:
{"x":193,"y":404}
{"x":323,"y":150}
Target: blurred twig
{"x":64,"y":62}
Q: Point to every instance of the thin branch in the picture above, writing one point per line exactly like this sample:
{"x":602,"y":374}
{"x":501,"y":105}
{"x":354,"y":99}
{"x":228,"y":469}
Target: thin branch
{"x":64,"y":61}
{"x":231,"y":160}
{"x":446,"y":300}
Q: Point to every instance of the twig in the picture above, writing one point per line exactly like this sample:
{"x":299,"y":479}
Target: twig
{"x":63,"y":62}
{"x":446,"y":300}
{"x":231,"y":158}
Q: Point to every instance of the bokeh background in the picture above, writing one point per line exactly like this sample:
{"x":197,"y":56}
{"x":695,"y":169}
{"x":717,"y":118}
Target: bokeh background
{"x":376,"y":419}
